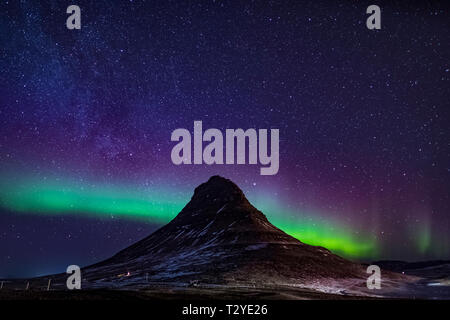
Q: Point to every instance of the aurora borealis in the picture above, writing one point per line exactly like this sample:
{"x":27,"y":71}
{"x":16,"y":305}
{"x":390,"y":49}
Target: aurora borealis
{"x":86,"y":118}
{"x":50,"y":198}
{"x":160,"y":207}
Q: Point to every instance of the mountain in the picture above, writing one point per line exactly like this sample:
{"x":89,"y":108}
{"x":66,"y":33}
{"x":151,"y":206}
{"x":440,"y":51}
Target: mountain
{"x":220,"y":238}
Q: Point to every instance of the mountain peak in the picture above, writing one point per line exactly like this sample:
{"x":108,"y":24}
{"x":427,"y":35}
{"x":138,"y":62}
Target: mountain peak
{"x":218,"y":188}
{"x":218,"y":194}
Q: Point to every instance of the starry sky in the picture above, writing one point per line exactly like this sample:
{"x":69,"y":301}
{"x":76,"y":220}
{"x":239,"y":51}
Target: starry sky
{"x":86,"y":118}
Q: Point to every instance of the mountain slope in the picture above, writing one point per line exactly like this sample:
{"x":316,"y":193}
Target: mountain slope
{"x":220,"y":238}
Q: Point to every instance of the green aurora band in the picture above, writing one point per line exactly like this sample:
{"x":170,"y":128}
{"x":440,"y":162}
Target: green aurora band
{"x":161,"y":205}
{"x":94,"y":201}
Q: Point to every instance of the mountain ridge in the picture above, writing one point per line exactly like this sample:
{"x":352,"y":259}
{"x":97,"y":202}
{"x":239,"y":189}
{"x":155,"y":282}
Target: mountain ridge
{"x":219,"y":237}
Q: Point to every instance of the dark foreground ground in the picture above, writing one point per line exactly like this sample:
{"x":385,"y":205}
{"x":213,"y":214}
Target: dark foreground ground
{"x":175,"y":294}
{"x":417,"y":290}
{"x":428,"y":281}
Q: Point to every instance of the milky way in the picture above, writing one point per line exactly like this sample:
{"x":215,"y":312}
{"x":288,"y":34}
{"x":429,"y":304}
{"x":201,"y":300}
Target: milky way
{"x":86,"y":117}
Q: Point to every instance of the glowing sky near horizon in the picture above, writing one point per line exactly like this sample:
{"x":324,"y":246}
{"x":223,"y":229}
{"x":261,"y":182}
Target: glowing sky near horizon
{"x":160,"y":206}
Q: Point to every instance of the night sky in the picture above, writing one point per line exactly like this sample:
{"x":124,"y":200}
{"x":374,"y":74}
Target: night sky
{"x":86,"y":118}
